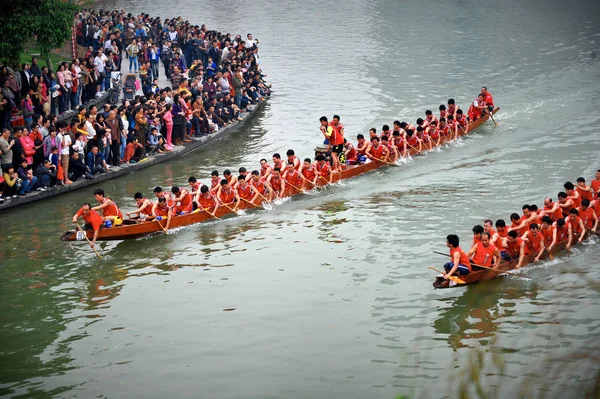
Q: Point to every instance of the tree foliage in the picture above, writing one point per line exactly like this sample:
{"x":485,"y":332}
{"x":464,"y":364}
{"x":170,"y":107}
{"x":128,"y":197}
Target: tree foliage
{"x":44,"y":23}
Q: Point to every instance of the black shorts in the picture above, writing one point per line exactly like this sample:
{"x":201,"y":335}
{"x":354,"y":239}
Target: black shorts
{"x":338,"y":149}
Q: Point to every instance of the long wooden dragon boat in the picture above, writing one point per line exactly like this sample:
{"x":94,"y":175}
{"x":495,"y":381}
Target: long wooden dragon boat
{"x":133,"y":229}
{"x":505,"y":268}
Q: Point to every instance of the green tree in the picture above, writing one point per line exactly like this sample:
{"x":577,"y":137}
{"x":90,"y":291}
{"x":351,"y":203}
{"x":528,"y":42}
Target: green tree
{"x":44,"y":23}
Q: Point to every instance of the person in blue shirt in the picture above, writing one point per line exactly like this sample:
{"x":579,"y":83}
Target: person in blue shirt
{"x":95,"y":161}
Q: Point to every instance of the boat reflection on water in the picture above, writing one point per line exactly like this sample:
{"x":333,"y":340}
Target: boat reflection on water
{"x":478,"y":312}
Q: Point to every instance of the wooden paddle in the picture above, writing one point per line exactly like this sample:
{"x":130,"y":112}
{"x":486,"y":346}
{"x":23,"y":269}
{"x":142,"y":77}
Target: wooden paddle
{"x":453,"y":278}
{"x":294,"y":187}
{"x":226,"y":206}
{"x":161,"y":226}
{"x":385,"y":162}
{"x":489,"y":268}
{"x":491,"y":114}
{"x":88,"y":240}
{"x":206,"y":210}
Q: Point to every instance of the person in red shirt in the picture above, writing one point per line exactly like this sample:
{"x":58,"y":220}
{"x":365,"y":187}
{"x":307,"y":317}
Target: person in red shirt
{"x":548,"y":230}
{"x":361,"y":148}
{"x":477,"y":231}
{"x":323,"y":171}
{"x":291,"y":156}
{"x":585,"y":192}
{"x":262,"y":187}
{"x":265,"y":169}
{"x":350,"y":152}
{"x":552,"y":209}
{"x":596,"y":183}
{"x":110,"y":210}
{"x":487,"y":98}
{"x":515,"y":248}
{"x":484,"y":253}
{"x":144,"y":207}
{"x":93,"y":221}
{"x":182,"y":200}
{"x":336,"y":141}
{"x":595,"y":205}
{"x":205,"y":201}
{"x":194,"y":185}
{"x":564,"y":232}
{"x":292,"y":177}
{"x":534,"y":241}
{"x":377,"y":151}
{"x":245,"y":190}
{"x":477,"y":108}
{"x":215,"y":182}
{"x":227,"y":196}
{"x":588,"y":216}
{"x":277,"y":183}
{"x":460,"y":261}
{"x":307,"y":173}
{"x":161,"y":210}
{"x":577,"y":226}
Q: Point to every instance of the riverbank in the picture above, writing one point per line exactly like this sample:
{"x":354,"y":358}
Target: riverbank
{"x":117,"y":171}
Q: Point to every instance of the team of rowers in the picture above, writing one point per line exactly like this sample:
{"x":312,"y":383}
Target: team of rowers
{"x":536,"y":231}
{"x":270,"y":181}
{"x":395,"y":143}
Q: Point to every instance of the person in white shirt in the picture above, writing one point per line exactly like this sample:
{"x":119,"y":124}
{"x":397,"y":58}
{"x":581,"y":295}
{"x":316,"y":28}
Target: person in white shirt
{"x":99,"y":66}
{"x":250,"y":42}
{"x":65,"y":153}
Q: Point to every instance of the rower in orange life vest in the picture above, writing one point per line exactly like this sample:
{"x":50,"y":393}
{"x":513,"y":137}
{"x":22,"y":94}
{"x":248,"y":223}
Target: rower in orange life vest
{"x":517,"y":224}
{"x":229,"y":177}
{"x":412,"y":141}
{"x":429,"y":118}
{"x":182,"y":200}
{"x":534,"y":241}
{"x":564,"y":232}
{"x":291,"y":156}
{"x":588,"y":216}
{"x":596,"y":184}
{"x":227,"y":197}
{"x":433,"y":133}
{"x":160,"y":210}
{"x":595,"y":205}
{"x":502,"y":239}
{"x":477,"y":231}
{"x":444,"y":128}
{"x":385,"y":131}
{"x":477,"y":108}
{"x":159,"y":193}
{"x":452,"y":108}
{"x":361,"y":148}
{"x":488,"y":227}
{"x":215,"y":182}
{"x":572,"y":194}
{"x":460,"y":263}
{"x":194,"y":185}
{"x":565,"y":203}
{"x":241,"y":172}
{"x":548,"y":231}
{"x":110,"y":211}
{"x":393,"y":153}
{"x":376,"y":151}
{"x":522,"y":225}
{"x":144,"y":208}
{"x":246,"y":191}
{"x":323,"y":170}
{"x":552,"y":209}
{"x":261,"y":186}
{"x":336,"y":142}
{"x":399,"y":144}
{"x":443,"y":112}
{"x":93,"y":221}
{"x":462,"y":121}
{"x":277,"y":183}
{"x":577,"y":226}
{"x":350,"y":153}
{"x":484,"y":253}
{"x":515,"y":249}
{"x":585,"y":192}
{"x":308,"y":174}
{"x":205,"y":200}
{"x":423,"y":137}
{"x":265,"y":169}
{"x":277,"y":162}
{"x":292,"y":177}
{"x":487,"y":99}
{"x":452,"y":127}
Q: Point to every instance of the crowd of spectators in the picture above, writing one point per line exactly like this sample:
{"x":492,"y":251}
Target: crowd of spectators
{"x":213,"y":78}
